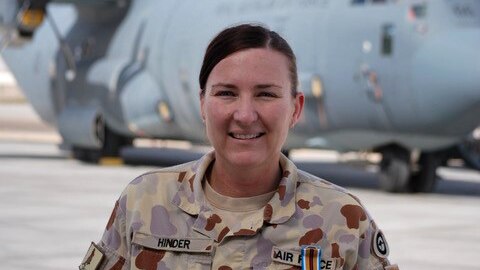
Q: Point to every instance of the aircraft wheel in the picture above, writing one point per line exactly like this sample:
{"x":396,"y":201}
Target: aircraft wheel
{"x":470,"y":152}
{"x":394,"y":176}
{"x":86,"y":154}
{"x":424,"y":180}
{"x":112,"y":143}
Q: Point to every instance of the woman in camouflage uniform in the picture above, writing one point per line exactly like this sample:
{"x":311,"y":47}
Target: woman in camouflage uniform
{"x":244,"y":205}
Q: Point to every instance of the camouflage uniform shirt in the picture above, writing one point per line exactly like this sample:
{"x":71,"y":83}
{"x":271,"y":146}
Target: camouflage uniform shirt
{"x":163,"y":221}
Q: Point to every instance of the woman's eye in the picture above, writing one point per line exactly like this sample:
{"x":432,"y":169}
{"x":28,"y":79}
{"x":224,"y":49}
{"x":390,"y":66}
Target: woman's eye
{"x":225,"y":93}
{"x":267,"y":94}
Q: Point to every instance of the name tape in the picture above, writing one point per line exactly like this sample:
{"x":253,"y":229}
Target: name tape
{"x":294,"y":258}
{"x":194,"y":245}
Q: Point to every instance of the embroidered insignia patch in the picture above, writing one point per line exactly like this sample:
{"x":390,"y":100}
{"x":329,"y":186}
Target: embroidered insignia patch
{"x":380,"y":246}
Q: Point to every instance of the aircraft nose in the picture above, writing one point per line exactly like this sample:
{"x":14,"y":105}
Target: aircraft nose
{"x":446,"y":82}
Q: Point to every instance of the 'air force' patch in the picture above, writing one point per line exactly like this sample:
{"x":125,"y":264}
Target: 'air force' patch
{"x":92,"y":259}
{"x":294,"y":258}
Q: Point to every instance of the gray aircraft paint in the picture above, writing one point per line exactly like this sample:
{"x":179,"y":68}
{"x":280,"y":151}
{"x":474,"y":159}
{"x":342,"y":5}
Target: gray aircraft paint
{"x":155,"y":55}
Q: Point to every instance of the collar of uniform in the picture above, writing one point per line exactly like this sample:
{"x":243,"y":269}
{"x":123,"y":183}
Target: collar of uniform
{"x":282,"y":205}
{"x":190,"y":197}
{"x":279,"y":209}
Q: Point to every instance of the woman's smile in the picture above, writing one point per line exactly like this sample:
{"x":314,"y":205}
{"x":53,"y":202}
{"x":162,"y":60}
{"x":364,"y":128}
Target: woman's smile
{"x":243,"y":136}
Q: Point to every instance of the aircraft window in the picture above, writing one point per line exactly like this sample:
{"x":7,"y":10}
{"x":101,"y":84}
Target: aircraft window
{"x":387,"y":39}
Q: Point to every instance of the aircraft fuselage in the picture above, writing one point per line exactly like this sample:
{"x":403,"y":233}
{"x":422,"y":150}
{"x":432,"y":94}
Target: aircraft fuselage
{"x":373,"y":72}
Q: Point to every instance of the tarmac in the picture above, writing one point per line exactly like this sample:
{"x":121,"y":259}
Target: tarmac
{"x":53,"y":206}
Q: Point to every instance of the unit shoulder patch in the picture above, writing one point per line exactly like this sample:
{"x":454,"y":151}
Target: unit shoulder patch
{"x":379,"y":245}
{"x":93,"y":258}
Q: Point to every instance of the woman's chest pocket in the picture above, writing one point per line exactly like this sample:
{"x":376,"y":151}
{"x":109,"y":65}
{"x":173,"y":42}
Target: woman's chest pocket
{"x":148,"y":259}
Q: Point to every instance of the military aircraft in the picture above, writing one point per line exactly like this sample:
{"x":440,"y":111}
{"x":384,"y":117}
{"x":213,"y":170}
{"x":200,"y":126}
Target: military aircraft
{"x":400,"y":78}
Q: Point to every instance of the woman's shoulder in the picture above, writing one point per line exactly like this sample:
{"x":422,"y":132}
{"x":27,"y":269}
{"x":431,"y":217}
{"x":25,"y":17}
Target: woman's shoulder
{"x":168,"y":176}
{"x":310,"y":185}
{"x":172,"y":170}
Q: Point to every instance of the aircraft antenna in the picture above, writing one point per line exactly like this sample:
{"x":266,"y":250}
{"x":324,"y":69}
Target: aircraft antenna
{"x":67,"y":52}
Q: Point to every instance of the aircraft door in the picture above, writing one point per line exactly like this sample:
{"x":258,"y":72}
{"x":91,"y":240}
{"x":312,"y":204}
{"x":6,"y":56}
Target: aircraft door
{"x":392,"y":89}
{"x":377,"y":72}
{"x":359,"y":66}
{"x":182,"y":55}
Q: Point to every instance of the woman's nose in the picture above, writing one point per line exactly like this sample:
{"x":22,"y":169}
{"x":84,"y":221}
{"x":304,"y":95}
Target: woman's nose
{"x":245,"y":112}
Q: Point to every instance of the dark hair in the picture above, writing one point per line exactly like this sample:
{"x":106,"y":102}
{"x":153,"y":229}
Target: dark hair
{"x":242,"y":37}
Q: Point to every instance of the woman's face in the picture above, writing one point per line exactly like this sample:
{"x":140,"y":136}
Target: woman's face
{"x":248,"y":107}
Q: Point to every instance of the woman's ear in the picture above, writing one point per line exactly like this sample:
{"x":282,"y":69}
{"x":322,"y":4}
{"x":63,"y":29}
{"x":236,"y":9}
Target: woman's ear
{"x":298,"y":108}
{"x":202,"y":109}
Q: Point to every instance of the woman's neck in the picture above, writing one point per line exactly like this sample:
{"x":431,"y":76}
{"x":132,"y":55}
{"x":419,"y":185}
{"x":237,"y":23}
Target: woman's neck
{"x":244,"y":182}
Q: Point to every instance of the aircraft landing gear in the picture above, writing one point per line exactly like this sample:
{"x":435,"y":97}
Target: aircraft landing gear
{"x":394,"y":176}
{"x":397,"y":174}
{"x":469,"y":151}
{"x":424,"y":179}
{"x":394,"y":169}
{"x":112,"y":142}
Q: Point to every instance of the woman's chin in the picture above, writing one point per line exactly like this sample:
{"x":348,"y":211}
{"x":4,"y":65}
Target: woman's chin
{"x":247,"y":158}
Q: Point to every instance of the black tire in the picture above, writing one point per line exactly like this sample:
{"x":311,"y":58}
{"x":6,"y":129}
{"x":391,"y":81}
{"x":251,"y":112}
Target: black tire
{"x":394,"y":175}
{"x":112,"y":143}
{"x":425,"y":179}
{"x":395,"y":168}
{"x":87,"y":155}
{"x":469,"y":151}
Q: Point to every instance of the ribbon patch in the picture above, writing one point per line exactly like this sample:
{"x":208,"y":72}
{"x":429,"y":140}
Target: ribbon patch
{"x":311,"y":257}
{"x":292,"y":257}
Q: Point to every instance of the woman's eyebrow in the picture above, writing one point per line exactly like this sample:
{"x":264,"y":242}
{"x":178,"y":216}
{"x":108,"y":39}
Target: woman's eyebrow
{"x":224,"y":85}
{"x":265,"y":86}
{"x":233,"y":86}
